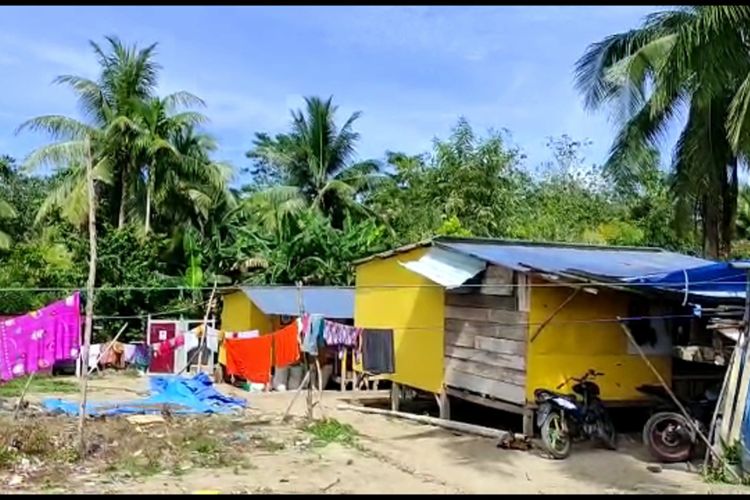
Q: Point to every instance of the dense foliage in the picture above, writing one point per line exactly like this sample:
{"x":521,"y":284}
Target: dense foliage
{"x":169,"y":224}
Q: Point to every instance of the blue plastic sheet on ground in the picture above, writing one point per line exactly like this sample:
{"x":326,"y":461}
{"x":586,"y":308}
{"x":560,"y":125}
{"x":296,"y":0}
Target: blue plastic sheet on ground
{"x":180,"y":395}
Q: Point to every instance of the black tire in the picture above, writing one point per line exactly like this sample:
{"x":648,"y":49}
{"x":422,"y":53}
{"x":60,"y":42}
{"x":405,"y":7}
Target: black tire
{"x":663,"y":446}
{"x":607,"y":432}
{"x":556,"y":436}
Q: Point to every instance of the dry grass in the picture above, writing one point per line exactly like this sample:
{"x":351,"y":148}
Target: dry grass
{"x":43,"y":452}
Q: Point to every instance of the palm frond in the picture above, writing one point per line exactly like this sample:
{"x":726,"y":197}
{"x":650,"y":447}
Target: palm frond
{"x":58,"y":127}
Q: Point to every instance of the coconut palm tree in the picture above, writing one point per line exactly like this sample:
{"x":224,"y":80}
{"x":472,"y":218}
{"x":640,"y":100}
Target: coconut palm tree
{"x":156,"y":151}
{"x":134,"y":138}
{"x":693,"y":58}
{"x":191,"y":188}
{"x":316,"y":161}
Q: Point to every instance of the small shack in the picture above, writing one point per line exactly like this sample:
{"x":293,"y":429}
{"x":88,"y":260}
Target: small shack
{"x":267,"y":308}
{"x":490,"y":321}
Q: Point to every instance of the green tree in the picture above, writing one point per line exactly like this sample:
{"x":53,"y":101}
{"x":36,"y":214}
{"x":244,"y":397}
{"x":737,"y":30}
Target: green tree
{"x":468,"y":185}
{"x":315,"y":161}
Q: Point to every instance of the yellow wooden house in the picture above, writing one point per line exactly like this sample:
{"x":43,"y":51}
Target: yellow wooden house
{"x":490,"y":321}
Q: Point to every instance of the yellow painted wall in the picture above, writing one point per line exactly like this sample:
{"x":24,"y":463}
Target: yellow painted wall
{"x":415,"y":313}
{"x":241,"y":314}
{"x":569,"y":349}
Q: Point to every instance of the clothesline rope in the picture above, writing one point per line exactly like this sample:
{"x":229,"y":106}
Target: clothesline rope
{"x":622,"y":284}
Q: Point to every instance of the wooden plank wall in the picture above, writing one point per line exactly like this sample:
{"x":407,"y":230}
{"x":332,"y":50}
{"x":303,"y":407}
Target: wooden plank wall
{"x":485,"y":337}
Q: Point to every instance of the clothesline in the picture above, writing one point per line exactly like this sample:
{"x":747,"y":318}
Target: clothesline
{"x":588,"y":283}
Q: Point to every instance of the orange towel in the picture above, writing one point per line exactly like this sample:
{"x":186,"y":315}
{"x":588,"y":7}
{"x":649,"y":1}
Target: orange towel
{"x":250,"y":358}
{"x":286,"y":346}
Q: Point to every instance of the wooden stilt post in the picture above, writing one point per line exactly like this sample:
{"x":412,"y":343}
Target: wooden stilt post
{"x":88,"y":326}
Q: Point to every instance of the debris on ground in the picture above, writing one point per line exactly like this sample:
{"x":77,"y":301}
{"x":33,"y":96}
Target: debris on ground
{"x":145,"y":419}
{"x":515,"y":442}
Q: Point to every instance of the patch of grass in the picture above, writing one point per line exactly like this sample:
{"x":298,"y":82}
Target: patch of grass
{"x":206,"y":451}
{"x":39,"y":384}
{"x":138,"y":466}
{"x":8,"y":457}
{"x":203,"y":444}
{"x":330,"y":430}
{"x":732,"y":460}
{"x":265,"y":443}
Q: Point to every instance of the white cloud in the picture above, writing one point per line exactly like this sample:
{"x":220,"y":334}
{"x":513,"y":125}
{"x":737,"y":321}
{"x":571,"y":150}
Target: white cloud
{"x":78,"y":60}
{"x":472,"y":33}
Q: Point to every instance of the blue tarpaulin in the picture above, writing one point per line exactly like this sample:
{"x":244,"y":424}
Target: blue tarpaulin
{"x":721,"y":280}
{"x":181,"y":395}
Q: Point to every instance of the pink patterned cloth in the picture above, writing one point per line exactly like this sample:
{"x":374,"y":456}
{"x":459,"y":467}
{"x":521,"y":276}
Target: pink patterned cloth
{"x":36,"y":340}
{"x":339,"y":334}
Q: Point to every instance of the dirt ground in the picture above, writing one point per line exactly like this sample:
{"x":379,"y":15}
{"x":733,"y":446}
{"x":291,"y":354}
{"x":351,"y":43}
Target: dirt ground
{"x":389,"y":456}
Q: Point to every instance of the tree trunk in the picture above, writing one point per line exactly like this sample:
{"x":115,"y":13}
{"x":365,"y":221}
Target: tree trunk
{"x":148,"y":204}
{"x":710,"y":228}
{"x":88,"y":327}
{"x":729,"y":207}
{"x":123,"y":197}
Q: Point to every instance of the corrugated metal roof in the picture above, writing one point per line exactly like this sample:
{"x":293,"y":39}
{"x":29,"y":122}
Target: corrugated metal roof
{"x":446,"y":267}
{"x":610,"y":262}
{"x":395,"y":251}
{"x":331,"y":302}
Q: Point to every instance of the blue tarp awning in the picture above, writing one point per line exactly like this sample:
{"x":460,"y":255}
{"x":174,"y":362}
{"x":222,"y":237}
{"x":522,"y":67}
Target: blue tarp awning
{"x":331,"y":302}
{"x":720,"y":280}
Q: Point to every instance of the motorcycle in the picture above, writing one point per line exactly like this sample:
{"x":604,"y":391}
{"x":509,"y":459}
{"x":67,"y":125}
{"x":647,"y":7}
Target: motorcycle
{"x":667,"y":434}
{"x":564,"y":417}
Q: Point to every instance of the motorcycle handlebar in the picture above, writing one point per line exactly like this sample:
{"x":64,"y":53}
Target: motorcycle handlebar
{"x":590,"y":373}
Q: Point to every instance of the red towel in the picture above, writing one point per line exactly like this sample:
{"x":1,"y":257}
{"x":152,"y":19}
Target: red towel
{"x":286,"y":346}
{"x":250,"y":358}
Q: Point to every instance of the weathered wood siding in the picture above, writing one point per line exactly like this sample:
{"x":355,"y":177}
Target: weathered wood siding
{"x":485,"y":337}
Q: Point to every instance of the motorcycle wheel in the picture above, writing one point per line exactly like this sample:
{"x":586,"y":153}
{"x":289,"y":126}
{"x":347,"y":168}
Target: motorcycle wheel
{"x":555,"y":435}
{"x":607,"y":433}
{"x":664,"y":444}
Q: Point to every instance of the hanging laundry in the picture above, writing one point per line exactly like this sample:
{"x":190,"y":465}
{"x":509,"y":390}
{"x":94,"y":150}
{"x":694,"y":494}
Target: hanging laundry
{"x":286,"y":346}
{"x":36,"y":340}
{"x":142,"y":356}
{"x":167,"y":348}
{"x":313,"y":334}
{"x":113,"y":355}
{"x":340,"y":334}
{"x":250,"y":334}
{"x":95,"y":351}
{"x":212,"y":338}
{"x":191,"y":340}
{"x":377,"y":351}
{"x":128,"y":354}
{"x":250,"y":358}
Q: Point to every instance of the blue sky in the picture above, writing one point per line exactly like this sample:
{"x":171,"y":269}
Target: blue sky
{"x":412,"y":71}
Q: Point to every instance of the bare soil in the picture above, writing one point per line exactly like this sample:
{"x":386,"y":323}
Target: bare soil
{"x":256,"y":452}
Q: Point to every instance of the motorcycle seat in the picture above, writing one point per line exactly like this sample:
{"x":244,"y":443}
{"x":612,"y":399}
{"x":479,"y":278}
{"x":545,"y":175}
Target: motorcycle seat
{"x":539,"y":393}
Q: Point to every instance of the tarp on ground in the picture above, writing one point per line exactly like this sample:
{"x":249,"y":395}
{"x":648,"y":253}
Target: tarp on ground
{"x":721,"y":280}
{"x":181,"y":395}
